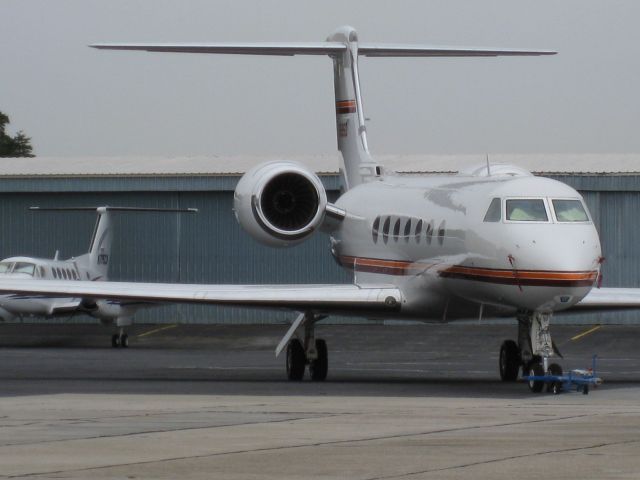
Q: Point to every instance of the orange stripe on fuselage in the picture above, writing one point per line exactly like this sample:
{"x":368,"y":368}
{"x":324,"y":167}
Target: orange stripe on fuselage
{"x":491,"y":275}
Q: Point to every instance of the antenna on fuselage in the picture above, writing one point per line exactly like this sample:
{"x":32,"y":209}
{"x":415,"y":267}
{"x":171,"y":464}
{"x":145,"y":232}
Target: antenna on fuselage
{"x":488,"y":166}
{"x":56,"y":257}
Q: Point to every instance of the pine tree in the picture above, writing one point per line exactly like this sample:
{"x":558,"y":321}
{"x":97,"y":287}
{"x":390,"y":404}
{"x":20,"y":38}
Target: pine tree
{"x":17,"y":146}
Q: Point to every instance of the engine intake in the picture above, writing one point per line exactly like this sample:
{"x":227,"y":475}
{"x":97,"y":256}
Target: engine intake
{"x":280,"y":203}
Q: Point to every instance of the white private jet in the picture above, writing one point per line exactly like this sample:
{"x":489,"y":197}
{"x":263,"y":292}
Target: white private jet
{"x":494,"y":240}
{"x":93,"y":266}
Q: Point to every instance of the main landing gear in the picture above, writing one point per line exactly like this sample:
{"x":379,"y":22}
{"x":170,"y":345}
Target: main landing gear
{"x":120,"y":339}
{"x":312,"y":351}
{"x":531,"y":353}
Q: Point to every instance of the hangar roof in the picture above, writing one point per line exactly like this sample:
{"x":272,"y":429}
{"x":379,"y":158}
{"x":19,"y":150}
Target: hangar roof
{"x":232,"y":165}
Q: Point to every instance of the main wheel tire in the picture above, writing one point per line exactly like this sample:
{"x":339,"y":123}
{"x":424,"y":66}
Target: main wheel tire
{"x":535,"y":370}
{"x":124,"y":340}
{"x":554,"y":369}
{"x":296,"y":360}
{"x":115,"y":340}
{"x":509,"y":361}
{"x":319,"y":367}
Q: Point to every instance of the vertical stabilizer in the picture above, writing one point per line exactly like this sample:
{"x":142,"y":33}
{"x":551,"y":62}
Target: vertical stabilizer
{"x":357,"y":164}
{"x":100,"y":246}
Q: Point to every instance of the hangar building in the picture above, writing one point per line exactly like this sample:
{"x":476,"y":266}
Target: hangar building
{"x":210,"y":247}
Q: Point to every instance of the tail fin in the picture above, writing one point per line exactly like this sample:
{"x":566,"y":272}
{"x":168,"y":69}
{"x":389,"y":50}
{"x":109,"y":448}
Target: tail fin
{"x":342,"y":46}
{"x":357,"y":164}
{"x":99,"y":255}
{"x":100,"y":246}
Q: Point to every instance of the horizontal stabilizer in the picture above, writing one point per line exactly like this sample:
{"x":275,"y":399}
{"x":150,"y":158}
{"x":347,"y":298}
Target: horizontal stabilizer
{"x":321,"y":48}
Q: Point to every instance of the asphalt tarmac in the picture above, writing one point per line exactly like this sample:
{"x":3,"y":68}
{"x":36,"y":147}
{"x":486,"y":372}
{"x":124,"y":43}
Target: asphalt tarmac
{"x":400,"y":402}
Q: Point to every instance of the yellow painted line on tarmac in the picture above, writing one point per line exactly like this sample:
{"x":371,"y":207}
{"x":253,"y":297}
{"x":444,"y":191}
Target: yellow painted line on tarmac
{"x":156,"y":330}
{"x":584,"y":334}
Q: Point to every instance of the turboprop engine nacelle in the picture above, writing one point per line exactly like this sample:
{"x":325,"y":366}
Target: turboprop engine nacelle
{"x":280,"y":203}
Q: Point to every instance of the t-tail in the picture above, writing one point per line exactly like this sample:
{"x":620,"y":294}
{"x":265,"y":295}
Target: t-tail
{"x":344,"y":49}
{"x":97,"y":259}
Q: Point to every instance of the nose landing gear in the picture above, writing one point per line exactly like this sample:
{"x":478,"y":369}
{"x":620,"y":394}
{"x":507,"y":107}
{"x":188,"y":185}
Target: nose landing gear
{"x":532,"y":352}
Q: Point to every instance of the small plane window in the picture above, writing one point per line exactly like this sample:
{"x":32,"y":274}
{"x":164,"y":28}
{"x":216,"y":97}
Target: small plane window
{"x":385,"y":229}
{"x":64,"y":273}
{"x":570,"y":211}
{"x":374,"y":230}
{"x":23,"y":267}
{"x":494,"y":213}
{"x":55,"y":274}
{"x":5,"y":267}
{"x":407,"y":230}
{"x":429,"y":232}
{"x":396,"y":230}
{"x":418,"y":231}
{"x":74,"y":274}
{"x":527,"y":210}
{"x":41,"y":271}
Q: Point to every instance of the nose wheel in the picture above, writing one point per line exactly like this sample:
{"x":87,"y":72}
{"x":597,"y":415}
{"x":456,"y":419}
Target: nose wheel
{"x":509,"y":361}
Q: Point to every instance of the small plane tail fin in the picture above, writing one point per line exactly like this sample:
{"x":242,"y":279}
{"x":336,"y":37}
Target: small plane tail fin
{"x":98,"y":257}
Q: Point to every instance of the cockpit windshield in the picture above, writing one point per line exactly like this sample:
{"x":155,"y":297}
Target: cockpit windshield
{"x":527,"y":210}
{"x":24,"y":267}
{"x":570,"y":211}
{"x":5,"y":267}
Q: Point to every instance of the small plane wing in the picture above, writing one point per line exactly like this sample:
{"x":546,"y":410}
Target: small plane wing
{"x":317,"y":298}
{"x":609,"y":299}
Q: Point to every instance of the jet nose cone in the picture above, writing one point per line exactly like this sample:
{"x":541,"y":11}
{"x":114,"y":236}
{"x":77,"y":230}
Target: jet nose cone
{"x":559,"y":248}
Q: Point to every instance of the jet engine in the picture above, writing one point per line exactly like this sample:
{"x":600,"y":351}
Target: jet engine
{"x":280,"y":203}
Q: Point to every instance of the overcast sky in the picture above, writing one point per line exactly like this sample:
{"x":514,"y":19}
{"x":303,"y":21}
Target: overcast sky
{"x":74,"y":100}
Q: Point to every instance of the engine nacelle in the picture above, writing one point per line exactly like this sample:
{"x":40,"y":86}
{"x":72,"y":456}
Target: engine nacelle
{"x":280,"y":203}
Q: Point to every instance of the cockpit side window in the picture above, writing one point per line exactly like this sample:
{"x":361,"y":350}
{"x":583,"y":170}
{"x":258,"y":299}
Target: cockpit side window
{"x":526,"y":210}
{"x":570,"y":211}
{"x":23,"y":267}
{"x":494,"y":213}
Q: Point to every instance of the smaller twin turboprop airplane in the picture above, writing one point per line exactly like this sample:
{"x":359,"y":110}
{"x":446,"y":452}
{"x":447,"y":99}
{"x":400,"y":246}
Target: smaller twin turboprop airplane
{"x":491,"y":241}
{"x":93,"y":266}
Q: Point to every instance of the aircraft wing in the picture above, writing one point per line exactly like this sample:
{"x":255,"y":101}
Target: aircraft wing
{"x":317,"y":298}
{"x":609,"y":299}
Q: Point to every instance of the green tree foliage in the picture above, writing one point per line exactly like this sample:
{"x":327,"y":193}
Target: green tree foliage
{"x":17,"y":146}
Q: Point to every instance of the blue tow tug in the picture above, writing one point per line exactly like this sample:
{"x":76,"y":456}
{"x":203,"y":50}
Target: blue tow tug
{"x":556,"y":382}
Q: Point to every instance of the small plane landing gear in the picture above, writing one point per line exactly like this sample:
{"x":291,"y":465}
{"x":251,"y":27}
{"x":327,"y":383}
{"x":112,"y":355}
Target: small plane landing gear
{"x":120,"y":339}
